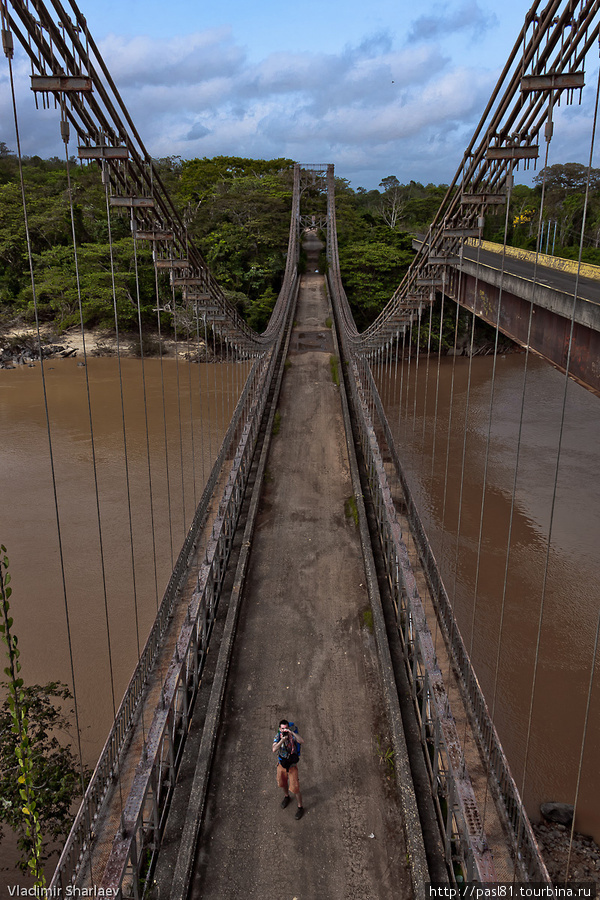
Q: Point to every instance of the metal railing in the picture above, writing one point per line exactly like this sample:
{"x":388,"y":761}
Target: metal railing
{"x":242,"y":429}
{"x":147,"y":804}
{"x":508,"y":800}
{"x":457,"y":810}
{"x":467,"y":854}
{"x":106,"y":771}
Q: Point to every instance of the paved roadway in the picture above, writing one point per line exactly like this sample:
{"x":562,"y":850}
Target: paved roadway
{"x":588,"y":288}
{"x":303,"y":652}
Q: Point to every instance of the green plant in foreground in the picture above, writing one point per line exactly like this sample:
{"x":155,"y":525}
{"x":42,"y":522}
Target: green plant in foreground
{"x":367,"y":618}
{"x":31,"y":843}
{"x":386,"y":755}
{"x":333,"y":365}
{"x":276,"y":423}
{"x":351,"y":509}
{"x":328,"y":322}
{"x":39,"y":777}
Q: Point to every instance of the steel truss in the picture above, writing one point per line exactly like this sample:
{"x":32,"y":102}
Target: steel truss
{"x":545,"y":68}
{"x":67,"y":68}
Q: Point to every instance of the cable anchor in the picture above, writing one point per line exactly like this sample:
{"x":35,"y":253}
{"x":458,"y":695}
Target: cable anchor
{"x":7,"y":43}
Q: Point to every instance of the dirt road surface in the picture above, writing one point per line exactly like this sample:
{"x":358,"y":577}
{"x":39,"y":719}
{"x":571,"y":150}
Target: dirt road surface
{"x":303,"y":652}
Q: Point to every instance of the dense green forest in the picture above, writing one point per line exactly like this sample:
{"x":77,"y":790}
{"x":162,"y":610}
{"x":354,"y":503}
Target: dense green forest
{"x":237,"y":211}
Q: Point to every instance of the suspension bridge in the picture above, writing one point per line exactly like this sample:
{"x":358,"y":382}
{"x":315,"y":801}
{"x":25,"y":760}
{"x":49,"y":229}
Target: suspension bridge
{"x":278,"y":604}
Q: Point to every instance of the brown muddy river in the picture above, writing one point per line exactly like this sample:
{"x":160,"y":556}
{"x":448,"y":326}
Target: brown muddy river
{"x":527,"y":605}
{"x":553,"y":579}
{"x":110,"y":608}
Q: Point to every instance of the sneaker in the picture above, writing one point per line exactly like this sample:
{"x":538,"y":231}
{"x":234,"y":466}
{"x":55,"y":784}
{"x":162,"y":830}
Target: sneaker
{"x":299,"y":812}
{"x":285,"y":802}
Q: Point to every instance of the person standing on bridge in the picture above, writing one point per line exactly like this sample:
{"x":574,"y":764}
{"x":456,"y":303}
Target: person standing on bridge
{"x":287,"y":744}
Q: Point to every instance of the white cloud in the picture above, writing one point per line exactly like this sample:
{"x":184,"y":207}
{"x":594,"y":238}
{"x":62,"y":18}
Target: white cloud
{"x":179,"y":60}
{"x":374,"y":108}
{"x":445,"y":20}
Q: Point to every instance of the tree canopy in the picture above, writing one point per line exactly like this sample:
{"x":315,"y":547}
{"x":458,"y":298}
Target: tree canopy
{"x":238,"y":212}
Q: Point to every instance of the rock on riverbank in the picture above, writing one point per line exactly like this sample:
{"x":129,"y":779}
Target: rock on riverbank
{"x":21,"y":347}
{"x":584,"y":861}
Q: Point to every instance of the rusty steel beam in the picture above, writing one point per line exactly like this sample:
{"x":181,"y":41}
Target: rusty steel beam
{"x":154,"y":235}
{"x":443,"y":260}
{"x":63,"y":83}
{"x":526,"y":152}
{"x":487,"y":199}
{"x":569,"y":346}
{"x":552,"y":81}
{"x":171,"y":263}
{"x":461,"y":232}
{"x":188,"y":282}
{"x":103,"y":153}
{"x":135,"y":202}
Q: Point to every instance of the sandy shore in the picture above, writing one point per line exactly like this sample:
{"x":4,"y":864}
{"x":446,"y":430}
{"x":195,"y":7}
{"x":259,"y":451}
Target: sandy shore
{"x":19,"y":345}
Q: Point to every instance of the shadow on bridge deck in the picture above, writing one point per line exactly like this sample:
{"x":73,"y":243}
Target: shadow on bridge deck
{"x":302,"y":651}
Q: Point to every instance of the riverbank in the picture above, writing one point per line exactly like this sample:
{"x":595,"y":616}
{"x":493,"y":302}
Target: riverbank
{"x":21,"y":346}
{"x":581,"y":858}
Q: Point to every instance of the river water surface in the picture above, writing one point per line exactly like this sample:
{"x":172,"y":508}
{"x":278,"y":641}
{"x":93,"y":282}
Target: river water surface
{"x":500,"y":602}
{"x":526,"y":583}
{"x":110,"y":608}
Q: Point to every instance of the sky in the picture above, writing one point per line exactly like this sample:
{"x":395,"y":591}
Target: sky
{"x":377,"y":87}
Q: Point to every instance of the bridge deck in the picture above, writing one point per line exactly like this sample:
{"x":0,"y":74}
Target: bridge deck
{"x":302,"y":651}
{"x":587,"y":288}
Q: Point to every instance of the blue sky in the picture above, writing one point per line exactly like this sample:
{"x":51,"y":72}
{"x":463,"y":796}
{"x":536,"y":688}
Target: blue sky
{"x":379,"y":88}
